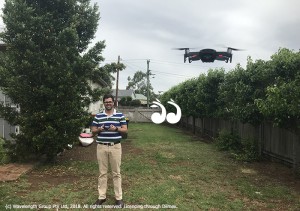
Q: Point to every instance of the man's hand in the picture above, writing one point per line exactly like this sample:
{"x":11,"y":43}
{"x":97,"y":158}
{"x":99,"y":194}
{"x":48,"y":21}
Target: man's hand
{"x":112,"y":128}
{"x":96,"y":130}
{"x":101,"y":129}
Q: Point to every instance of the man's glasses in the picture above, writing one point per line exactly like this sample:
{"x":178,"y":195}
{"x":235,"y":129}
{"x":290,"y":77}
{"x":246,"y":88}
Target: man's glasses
{"x":109,"y":102}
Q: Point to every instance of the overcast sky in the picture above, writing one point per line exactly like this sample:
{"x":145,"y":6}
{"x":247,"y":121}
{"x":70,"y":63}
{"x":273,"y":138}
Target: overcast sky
{"x":138,"y":30}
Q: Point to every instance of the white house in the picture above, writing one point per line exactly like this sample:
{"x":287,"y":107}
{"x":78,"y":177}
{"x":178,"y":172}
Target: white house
{"x":96,"y":107}
{"x":130,"y":93}
{"x":124,"y":93}
{"x":5,"y":128}
{"x":141,"y":98}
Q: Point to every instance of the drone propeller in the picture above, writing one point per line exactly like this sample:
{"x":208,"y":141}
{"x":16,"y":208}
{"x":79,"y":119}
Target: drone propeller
{"x":185,"y":48}
{"x":186,"y":52}
{"x":181,"y":49}
{"x":235,"y":49}
{"x":230,"y":48}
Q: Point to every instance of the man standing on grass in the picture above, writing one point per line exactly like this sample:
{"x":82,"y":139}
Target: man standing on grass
{"x":108,"y":125}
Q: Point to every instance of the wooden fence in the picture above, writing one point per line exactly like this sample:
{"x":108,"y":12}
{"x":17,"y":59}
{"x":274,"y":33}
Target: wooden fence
{"x":138,"y":114}
{"x":274,"y":142}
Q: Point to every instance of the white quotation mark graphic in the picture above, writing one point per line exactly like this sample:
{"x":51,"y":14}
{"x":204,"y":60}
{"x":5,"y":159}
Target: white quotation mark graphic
{"x":159,"y":118}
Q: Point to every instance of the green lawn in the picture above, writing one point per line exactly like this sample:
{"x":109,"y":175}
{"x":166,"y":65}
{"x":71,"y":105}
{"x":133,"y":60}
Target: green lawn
{"x":161,"y":167}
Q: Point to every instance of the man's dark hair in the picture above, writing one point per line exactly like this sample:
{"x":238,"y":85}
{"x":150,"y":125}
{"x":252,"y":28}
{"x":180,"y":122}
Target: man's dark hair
{"x":108,"y":96}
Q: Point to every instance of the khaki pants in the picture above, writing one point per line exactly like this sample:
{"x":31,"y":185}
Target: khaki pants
{"x":109,"y":154}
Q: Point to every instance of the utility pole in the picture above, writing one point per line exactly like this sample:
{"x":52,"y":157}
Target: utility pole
{"x":117,"y":84}
{"x":148,"y":83}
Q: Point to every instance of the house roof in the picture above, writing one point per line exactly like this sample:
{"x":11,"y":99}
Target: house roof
{"x":102,"y":82}
{"x":140,"y":97}
{"x":124,"y":93}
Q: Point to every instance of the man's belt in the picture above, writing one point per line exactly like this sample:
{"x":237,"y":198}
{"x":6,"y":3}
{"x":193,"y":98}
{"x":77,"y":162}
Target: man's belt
{"x":109,"y":143}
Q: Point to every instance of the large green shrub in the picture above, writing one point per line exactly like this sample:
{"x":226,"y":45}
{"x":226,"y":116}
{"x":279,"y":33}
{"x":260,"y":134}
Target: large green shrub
{"x":4,"y":158}
{"x":46,"y":69}
{"x":248,"y":152}
{"x":228,"y":141}
{"x":240,"y":149}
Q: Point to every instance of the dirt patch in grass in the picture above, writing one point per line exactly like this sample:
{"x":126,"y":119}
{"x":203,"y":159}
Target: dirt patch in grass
{"x":79,"y":153}
{"x":88,"y":153}
{"x":276,"y":172}
{"x":60,"y":175}
{"x":37,"y":178}
{"x":128,"y":148}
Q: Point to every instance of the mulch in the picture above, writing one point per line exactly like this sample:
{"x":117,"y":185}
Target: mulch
{"x":12,"y":171}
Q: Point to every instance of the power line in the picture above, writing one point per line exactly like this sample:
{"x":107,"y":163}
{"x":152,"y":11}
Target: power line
{"x":173,"y":74}
{"x":134,"y":65}
{"x":131,"y":68}
{"x":185,"y":64}
{"x":134,"y":59}
{"x":159,"y":72}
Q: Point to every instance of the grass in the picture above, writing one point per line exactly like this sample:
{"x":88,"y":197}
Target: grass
{"x":161,"y":167}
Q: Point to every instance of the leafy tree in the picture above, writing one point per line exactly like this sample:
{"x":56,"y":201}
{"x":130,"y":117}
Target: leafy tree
{"x":185,"y":97}
{"x":281,"y":104}
{"x":197,"y":96}
{"x":241,"y":88}
{"x":285,"y":64}
{"x":171,"y":94}
{"x":46,"y":68}
{"x":102,"y":75}
{"x":207,"y":98}
{"x":125,"y":101}
{"x":139,"y":84}
{"x":135,"y":103}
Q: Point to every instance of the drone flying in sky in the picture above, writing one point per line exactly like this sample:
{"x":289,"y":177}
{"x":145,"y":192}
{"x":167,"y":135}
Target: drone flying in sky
{"x":208,"y":55}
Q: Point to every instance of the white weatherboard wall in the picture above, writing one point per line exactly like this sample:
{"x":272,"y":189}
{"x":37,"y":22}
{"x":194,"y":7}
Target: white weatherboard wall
{"x":5,"y":128}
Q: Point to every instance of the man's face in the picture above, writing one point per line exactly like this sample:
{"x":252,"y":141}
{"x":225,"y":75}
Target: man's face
{"x":108,"y":103}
